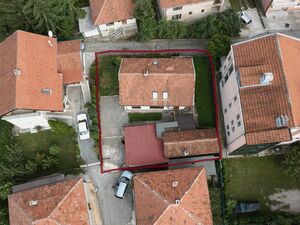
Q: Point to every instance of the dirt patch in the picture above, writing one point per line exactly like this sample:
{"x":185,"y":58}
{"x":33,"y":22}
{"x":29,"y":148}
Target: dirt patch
{"x":286,"y":201}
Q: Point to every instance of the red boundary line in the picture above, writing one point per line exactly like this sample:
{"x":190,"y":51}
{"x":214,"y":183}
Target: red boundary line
{"x":157,"y":51}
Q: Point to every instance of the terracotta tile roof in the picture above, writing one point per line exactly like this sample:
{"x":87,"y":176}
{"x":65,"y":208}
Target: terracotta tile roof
{"x":270,"y":136}
{"x":69,"y":61}
{"x":290,"y":51}
{"x":37,"y":61}
{"x":174,"y":75}
{"x":194,"y":142}
{"x":142,"y":147}
{"x":62,"y":203}
{"x":164,"y":4}
{"x":262,"y":104}
{"x":155,"y":197}
{"x":107,"y":11}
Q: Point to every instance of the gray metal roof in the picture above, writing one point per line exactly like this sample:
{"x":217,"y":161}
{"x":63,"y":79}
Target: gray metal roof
{"x":162,"y":127}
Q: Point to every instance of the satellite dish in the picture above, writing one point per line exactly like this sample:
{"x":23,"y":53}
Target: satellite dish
{"x":50,"y":33}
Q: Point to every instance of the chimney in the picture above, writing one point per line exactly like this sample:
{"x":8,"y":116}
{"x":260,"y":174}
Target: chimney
{"x":17,"y":72}
{"x":33,"y":202}
{"x":146,"y":73}
{"x":174,"y":184}
{"x":266,"y":78}
{"x":155,"y":62}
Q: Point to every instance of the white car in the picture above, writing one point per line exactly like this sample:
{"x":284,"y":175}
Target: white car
{"x":245,"y":18}
{"x":83,"y":127}
{"x":123,"y":184}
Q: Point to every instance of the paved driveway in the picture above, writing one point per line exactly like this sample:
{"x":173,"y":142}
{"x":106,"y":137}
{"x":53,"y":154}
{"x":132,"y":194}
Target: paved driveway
{"x":255,"y":27}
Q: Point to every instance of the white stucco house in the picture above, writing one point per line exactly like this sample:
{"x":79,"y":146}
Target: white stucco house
{"x":35,"y":78}
{"x":259,"y":90}
{"x":111,"y":19}
{"x":188,"y":10}
{"x":156,"y":84}
{"x":279,"y":7}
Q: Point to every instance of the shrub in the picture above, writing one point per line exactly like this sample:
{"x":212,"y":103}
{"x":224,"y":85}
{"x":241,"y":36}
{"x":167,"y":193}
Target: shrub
{"x":140,"y":117}
{"x":291,"y":162}
{"x":219,"y":45}
{"x":171,"y":29}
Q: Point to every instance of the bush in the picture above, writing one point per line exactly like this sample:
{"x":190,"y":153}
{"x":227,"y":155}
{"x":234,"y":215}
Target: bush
{"x":140,"y":117}
{"x":291,"y":162}
{"x":59,"y":127}
{"x":171,"y":29}
{"x":219,"y":45}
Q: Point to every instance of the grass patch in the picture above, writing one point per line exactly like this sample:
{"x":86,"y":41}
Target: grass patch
{"x":140,"y":117}
{"x":203,"y":93}
{"x":256,"y":178}
{"x":215,"y":202}
{"x":108,"y":75}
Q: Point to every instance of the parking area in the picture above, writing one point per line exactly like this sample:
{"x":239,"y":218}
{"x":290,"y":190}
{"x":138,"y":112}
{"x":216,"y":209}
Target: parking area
{"x":283,"y":21}
{"x":255,"y":27}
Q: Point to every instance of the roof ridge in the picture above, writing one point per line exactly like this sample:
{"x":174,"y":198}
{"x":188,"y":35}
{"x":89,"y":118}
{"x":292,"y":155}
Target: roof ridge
{"x":22,"y":210}
{"x":62,"y":200}
{"x":104,"y":1}
{"x":153,"y":191}
{"x":197,"y":178}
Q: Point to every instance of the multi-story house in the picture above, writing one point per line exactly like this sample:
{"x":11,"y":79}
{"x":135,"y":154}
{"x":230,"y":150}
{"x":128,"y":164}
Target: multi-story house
{"x":156,"y":83}
{"x":109,"y":18}
{"x":260,"y":93}
{"x":34,"y":80}
{"x":188,"y":10}
{"x":272,"y":7}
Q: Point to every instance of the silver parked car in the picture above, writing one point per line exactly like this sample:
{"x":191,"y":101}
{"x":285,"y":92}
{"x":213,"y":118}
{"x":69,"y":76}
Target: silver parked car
{"x":123,"y":184}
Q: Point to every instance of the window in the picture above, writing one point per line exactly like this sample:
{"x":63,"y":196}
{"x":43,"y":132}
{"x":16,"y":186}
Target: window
{"x":202,"y":10}
{"x":228,"y":133}
{"x":226,"y":77}
{"x":237,"y":116}
{"x":227,"y":127}
{"x":235,"y":98}
{"x":230,"y":69}
{"x":136,"y":107}
{"x":177,"y":8}
{"x":190,"y":13}
{"x":176,"y":17}
{"x":230,"y":105}
{"x":225,"y":110}
{"x":124,"y":22}
{"x":229,"y":58}
{"x":156,"y":107}
{"x":154,"y":94}
{"x":232,"y":122}
{"x":46,"y":91}
{"x":222,"y":83}
{"x":239,"y":123}
{"x":110,"y":24}
{"x":165,"y":95}
{"x":233,"y":129}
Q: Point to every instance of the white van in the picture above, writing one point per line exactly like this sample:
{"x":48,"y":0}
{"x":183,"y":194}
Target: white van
{"x":123,"y":184}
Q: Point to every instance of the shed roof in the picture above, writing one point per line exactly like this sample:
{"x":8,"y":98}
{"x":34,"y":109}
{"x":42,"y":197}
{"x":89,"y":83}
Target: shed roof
{"x":142,"y":147}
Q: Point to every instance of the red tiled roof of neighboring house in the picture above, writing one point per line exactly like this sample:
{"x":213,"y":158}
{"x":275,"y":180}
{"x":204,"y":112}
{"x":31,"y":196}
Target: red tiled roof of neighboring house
{"x":107,"y":11}
{"x":164,"y":4}
{"x":69,"y":61}
{"x":62,"y":203}
{"x":290,"y":52}
{"x":190,"y":142}
{"x":35,"y":56}
{"x":174,"y":75}
{"x":262,"y":104}
{"x":155,"y":195}
{"x":264,"y":5}
{"x":142,"y":147}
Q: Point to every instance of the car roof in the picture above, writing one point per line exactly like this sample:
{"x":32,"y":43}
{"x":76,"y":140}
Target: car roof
{"x":121,"y":190}
{"x":82,"y":126}
{"x":127,"y":174}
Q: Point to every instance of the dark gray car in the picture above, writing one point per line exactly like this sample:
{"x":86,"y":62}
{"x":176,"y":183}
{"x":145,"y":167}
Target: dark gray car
{"x":246,"y":207}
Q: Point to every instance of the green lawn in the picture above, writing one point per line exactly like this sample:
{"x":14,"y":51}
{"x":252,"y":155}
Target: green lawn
{"x":256,"y":178}
{"x":203,"y":93}
{"x":215,"y":202}
{"x":140,"y":117}
{"x":108,"y":75}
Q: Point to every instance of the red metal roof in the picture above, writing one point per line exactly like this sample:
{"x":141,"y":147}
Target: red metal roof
{"x":142,"y":147}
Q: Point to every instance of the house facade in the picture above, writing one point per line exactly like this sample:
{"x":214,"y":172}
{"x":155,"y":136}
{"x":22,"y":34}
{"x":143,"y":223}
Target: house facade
{"x":169,"y":197}
{"x":156,"y":83}
{"x":37,"y":72}
{"x":259,"y":93}
{"x":109,"y":18}
{"x":188,"y":10}
{"x":279,"y":7}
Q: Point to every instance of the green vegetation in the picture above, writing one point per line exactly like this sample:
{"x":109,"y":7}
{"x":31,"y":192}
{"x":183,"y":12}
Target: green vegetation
{"x":224,"y":23}
{"x":291,"y":162}
{"x":218,"y":45}
{"x":239,"y":4}
{"x":30,"y":156}
{"x":203,"y":92}
{"x":140,"y":117}
{"x":215,"y":201}
{"x":108,"y":75}
{"x":39,"y":16}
